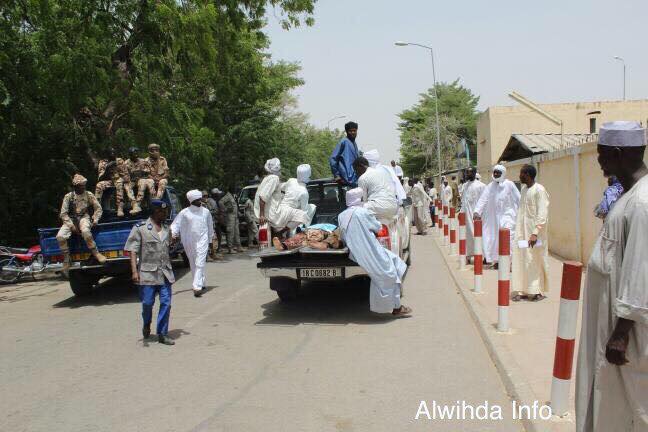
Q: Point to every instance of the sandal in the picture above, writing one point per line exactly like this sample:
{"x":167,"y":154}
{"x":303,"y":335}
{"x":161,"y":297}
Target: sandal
{"x":537,"y":298}
{"x":403,"y":311}
{"x":518,"y":297}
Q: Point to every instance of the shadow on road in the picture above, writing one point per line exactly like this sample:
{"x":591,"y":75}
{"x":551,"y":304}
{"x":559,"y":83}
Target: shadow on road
{"x":111,"y":291}
{"x":323,"y":304}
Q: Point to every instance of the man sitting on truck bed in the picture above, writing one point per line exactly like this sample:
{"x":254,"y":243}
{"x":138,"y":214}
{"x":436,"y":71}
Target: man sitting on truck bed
{"x":358,"y":226}
{"x":75,"y":215}
{"x":378,"y":190}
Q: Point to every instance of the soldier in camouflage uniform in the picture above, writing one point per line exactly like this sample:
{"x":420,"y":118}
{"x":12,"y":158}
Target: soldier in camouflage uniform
{"x":159,"y":169}
{"x":112,"y":172}
{"x":139,"y":171}
{"x":75,"y":215}
{"x":231,"y":222}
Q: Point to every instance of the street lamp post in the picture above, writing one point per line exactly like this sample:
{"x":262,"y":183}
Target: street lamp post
{"x":328,"y":123}
{"x":436,"y":98}
{"x":624,"y":74}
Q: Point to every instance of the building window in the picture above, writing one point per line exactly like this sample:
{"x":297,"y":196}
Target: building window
{"x":592,"y":125}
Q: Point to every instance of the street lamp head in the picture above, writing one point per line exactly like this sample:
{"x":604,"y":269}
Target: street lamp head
{"x":618,"y":58}
{"x":400,"y":43}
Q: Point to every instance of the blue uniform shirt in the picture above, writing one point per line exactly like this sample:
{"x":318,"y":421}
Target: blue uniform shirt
{"x":341,"y":161}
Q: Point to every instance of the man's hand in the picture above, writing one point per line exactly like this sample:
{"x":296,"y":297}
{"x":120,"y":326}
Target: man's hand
{"x":173,"y":241}
{"x":94,"y":223}
{"x":339,"y":180}
{"x":262,"y":220}
{"x":135,"y":277}
{"x":615,"y":349}
{"x":74,"y":229}
{"x":476,"y":216}
{"x":533,"y":240}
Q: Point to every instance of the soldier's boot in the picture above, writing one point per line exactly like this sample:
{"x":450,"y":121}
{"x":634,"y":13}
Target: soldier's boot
{"x":98,"y":256}
{"x":120,"y":210}
{"x":66,"y":262}
{"x":136,"y":208}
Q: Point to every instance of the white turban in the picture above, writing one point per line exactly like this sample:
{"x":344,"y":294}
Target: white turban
{"x":373,"y":157}
{"x":502,"y":169}
{"x":478,"y":176}
{"x":622,"y":134}
{"x":303,"y":173}
{"x":273,"y":166}
{"x":354,"y":197}
{"x":194,"y":195}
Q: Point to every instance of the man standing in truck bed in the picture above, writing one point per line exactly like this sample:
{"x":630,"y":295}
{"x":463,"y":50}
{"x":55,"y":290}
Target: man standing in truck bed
{"x":345,"y":153}
{"x":75,"y":215}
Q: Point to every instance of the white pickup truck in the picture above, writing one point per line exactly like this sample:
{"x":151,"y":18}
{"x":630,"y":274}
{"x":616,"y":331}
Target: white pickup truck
{"x":286,"y":270}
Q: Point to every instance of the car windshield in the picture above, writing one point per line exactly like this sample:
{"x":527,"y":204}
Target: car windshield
{"x":247,"y":193}
{"x":326,"y":194}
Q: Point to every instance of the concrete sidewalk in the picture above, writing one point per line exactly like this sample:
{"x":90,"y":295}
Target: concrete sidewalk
{"x":525,"y":355}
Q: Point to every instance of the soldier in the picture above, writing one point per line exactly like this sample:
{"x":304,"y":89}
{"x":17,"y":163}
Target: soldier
{"x":139,"y":171}
{"x":150,"y":241}
{"x":75,"y":215}
{"x":212,"y":206}
{"x":112,"y":171}
{"x":232,"y":222}
{"x":252,"y":222}
{"x":217,"y":215}
{"x":159,"y":169}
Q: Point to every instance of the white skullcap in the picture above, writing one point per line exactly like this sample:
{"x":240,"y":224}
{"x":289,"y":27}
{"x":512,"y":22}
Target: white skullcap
{"x":303,"y":173}
{"x":478,"y":176}
{"x":273,"y":166}
{"x":354,"y":197}
{"x":194,"y":195}
{"x":622,"y":134}
{"x":373,"y":157}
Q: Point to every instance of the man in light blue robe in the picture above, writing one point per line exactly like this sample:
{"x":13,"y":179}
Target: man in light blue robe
{"x":386,"y":270}
{"x":345,"y":153}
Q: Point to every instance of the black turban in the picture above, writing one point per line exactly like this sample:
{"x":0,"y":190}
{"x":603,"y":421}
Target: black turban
{"x":350,"y":125}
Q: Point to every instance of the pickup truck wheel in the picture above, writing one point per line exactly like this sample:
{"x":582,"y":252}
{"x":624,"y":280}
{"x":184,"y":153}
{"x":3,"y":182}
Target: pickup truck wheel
{"x":286,"y":288}
{"x":81,"y":283}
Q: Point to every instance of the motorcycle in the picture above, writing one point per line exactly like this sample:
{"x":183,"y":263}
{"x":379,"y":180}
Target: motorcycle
{"x":16,"y":263}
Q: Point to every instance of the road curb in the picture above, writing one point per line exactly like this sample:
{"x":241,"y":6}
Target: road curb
{"x":510,"y":372}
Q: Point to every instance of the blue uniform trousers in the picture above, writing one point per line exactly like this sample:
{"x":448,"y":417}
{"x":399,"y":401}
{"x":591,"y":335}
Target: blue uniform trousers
{"x":147,"y":296}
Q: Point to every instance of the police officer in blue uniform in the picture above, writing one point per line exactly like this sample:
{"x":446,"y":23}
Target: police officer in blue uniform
{"x":150,"y":241}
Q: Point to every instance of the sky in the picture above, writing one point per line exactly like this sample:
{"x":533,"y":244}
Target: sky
{"x":550,"y":51}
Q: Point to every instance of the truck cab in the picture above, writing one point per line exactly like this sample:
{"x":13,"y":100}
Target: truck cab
{"x":110,"y":235}
{"x":287,"y":270}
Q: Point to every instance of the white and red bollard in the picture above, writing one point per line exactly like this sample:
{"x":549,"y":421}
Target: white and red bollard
{"x":504,"y":280}
{"x":478,"y":259}
{"x":453,"y":231}
{"x":566,"y":339}
{"x":446,"y":231}
{"x":462,"y":240}
{"x":436,"y":213}
{"x":440,"y":217}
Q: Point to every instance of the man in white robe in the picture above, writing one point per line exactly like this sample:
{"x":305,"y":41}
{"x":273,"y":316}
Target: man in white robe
{"x":497,"y":207}
{"x":472,"y":190}
{"x":417,"y":194}
{"x":268,"y":201}
{"x":426,"y":203}
{"x":530,"y":249}
{"x":612,"y":371}
{"x":447,"y":194}
{"x":195,"y":227}
{"x":294,"y":207}
{"x":358,"y":228}
{"x":378,"y":189}
{"x":373,"y":157}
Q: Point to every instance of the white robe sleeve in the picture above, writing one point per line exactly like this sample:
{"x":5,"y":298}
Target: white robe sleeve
{"x":267,"y":187}
{"x":373,"y":223}
{"x":176,"y":225}
{"x":483,"y":199}
{"x":210,"y":226}
{"x":632,"y":294}
{"x":542,"y":211}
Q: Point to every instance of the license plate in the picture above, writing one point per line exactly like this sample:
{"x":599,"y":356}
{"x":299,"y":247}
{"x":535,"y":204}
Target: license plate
{"x":321,"y":273}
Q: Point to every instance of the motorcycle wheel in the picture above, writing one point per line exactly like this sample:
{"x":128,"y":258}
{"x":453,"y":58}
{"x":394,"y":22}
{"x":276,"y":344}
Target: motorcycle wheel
{"x":8,"y":276}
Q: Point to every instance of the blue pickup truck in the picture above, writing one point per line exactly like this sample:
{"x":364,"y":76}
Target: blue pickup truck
{"x":110,"y":234}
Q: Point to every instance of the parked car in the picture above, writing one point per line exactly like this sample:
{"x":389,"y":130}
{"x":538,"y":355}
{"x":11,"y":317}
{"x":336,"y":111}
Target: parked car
{"x":246,"y":192}
{"x":110,"y":235}
{"x":286,"y":270}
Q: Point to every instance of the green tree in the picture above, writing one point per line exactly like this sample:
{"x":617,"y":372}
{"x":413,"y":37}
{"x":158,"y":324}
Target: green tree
{"x":79,"y":76}
{"x":457,"y":121}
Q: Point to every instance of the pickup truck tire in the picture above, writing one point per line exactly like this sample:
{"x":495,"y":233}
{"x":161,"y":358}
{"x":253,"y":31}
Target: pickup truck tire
{"x":286,"y":288}
{"x":81,"y":283}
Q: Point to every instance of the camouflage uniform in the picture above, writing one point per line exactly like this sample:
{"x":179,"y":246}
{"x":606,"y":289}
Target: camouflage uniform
{"x":252,"y":222}
{"x":231,"y":221}
{"x":119,"y":172}
{"x":159,"y":174}
{"x":139,"y":172}
{"x":75,"y":213}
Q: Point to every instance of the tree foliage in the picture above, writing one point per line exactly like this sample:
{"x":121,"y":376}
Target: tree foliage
{"x":457,"y":120}
{"x":80,"y":76}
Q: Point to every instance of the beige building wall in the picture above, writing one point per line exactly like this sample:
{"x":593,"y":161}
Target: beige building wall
{"x":496,"y":125}
{"x":557,"y":173}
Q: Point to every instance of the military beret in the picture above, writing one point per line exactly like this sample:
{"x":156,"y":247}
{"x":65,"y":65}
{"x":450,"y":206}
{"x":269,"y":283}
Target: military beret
{"x":156,"y":203}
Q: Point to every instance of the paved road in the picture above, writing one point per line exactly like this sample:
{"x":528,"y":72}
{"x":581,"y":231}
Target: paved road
{"x":242,"y":360}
